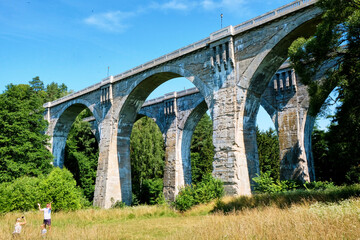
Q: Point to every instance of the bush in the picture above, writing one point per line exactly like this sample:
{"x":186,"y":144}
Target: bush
{"x":152,"y":191}
{"x":353,"y":175}
{"x":117,"y":204}
{"x":21,"y":194}
{"x":24,"y":193}
{"x":319,"y":185}
{"x":266,"y":184}
{"x":205,"y":191}
{"x":60,"y":187}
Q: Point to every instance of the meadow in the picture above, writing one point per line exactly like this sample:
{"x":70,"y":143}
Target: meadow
{"x":315,"y":220}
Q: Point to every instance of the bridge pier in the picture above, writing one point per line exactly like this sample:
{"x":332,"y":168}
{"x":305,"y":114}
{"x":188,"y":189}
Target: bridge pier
{"x":108,"y":189}
{"x":287,"y":101}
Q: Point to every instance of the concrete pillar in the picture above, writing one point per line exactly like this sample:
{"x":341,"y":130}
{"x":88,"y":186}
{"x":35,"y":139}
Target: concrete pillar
{"x":230,"y":162}
{"x":294,"y":129}
{"x":173,"y":171}
{"x":294,"y":126}
{"x":107,"y":186}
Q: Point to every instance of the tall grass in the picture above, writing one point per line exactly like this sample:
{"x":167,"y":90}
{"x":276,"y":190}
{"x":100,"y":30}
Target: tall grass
{"x":287,"y":199}
{"x":314,"y":219}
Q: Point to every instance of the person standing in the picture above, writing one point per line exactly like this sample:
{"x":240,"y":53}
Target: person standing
{"x":47,"y":215}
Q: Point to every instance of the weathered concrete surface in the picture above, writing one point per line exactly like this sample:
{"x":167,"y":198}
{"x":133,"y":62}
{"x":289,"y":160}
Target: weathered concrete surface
{"x":287,"y":101}
{"x":231,"y":69}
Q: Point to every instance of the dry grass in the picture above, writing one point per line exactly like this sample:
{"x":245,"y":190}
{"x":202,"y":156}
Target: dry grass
{"x":316,"y":221}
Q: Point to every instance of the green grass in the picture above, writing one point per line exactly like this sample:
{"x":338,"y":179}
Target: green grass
{"x":329,"y":214}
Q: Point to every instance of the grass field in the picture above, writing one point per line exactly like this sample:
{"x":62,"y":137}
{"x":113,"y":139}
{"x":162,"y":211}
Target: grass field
{"x":301,"y":221}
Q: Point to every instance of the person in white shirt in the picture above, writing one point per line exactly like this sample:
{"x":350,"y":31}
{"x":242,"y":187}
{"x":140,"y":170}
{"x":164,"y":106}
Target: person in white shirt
{"x":47,"y":215}
{"x":18,"y":226}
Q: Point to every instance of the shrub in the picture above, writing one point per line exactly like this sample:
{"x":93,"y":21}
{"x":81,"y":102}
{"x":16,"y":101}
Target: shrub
{"x":60,"y":187}
{"x":24,"y":193}
{"x":152,"y":191}
{"x":185,"y":199}
{"x":319,"y":185}
{"x":21,"y":194}
{"x":205,"y":191}
{"x":353,"y":175}
{"x":266,"y":184}
{"x":117,"y":204}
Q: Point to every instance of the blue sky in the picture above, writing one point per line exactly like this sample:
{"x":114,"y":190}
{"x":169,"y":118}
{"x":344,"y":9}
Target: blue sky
{"x":74,"y":42}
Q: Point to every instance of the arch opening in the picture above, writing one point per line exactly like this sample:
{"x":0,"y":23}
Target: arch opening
{"x":267,"y":144}
{"x":74,"y":137}
{"x":127,"y":116}
{"x":147,"y":158}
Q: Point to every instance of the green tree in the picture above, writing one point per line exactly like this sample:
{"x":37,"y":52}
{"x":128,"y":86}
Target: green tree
{"x":147,"y":156}
{"x":55,"y":91}
{"x":23,"y":144}
{"x":81,"y":154}
{"x":202,"y":149}
{"x":337,"y":39}
{"x":268,"y":150}
{"x":36,"y":84}
{"x":324,"y":165}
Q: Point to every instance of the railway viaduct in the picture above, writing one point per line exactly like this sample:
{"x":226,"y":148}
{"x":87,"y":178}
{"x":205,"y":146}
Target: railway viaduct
{"x":231,"y":69}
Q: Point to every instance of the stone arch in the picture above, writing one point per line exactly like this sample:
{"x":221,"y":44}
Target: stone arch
{"x":188,"y":130}
{"x":62,"y":126}
{"x":260,"y":72}
{"x":127,"y":112}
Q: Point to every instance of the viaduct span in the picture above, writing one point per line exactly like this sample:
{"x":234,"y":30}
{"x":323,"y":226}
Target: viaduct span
{"x":231,"y":69}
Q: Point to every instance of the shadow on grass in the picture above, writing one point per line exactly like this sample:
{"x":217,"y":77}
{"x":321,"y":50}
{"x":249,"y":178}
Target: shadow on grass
{"x":287,"y":199}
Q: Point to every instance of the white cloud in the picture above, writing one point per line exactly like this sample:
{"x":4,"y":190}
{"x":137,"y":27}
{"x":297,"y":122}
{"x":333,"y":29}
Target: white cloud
{"x":187,"y":5}
{"x":179,"y":5}
{"x":230,"y":5}
{"x":113,"y":21}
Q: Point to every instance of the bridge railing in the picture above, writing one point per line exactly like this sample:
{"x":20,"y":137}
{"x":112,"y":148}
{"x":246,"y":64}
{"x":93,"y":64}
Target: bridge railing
{"x":182,"y":93}
{"x":269,"y":16}
{"x":224,"y":32}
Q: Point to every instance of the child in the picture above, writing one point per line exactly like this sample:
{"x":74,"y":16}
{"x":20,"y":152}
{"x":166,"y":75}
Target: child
{"x":43,"y":230}
{"x":18,"y":226}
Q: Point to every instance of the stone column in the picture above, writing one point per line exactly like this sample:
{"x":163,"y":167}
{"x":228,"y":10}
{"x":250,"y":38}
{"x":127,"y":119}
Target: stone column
{"x":294,"y":129}
{"x":107,"y":187}
{"x":230,"y":162}
{"x":294,"y":126}
{"x":173,"y":171}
